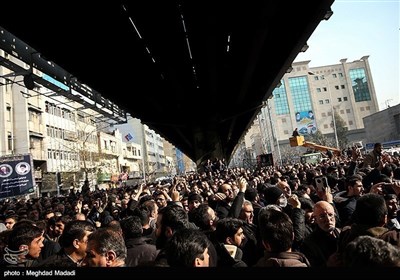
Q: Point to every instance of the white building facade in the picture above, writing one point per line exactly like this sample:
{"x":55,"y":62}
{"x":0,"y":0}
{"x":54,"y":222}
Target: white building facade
{"x":307,"y":98}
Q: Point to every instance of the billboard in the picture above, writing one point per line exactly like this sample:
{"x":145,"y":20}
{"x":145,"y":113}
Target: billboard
{"x":305,"y":122}
{"x":16,"y":175}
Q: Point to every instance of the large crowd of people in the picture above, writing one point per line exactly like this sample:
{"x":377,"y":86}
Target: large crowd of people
{"x":341,"y":212}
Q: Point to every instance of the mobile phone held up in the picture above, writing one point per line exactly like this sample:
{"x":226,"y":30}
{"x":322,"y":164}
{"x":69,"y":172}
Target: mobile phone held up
{"x":321,"y":182}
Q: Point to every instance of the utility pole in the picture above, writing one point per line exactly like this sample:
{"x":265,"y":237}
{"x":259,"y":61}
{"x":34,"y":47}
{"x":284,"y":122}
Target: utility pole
{"x":58,"y":182}
{"x":144,"y":153}
{"x":274,"y":133}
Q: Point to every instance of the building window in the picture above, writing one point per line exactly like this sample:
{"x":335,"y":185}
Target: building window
{"x":339,"y":99}
{"x":348,"y":111}
{"x":359,"y":84}
{"x":325,"y":89}
{"x":8,"y":116}
{"x":341,"y":112}
{"x":9,"y":141}
{"x":337,"y":87}
{"x":323,"y":115}
{"x":283,"y":120}
{"x":301,"y":96}
{"x":280,"y":100}
{"x":285,"y":132}
{"x":318,"y":89}
{"x":326,"y":101}
{"x":340,"y":75}
{"x":334,"y":75}
{"x":345,"y":98}
{"x":325,"y":126}
{"x":342,"y":86}
{"x":362,"y":109}
{"x":367,"y":108}
{"x":321,"y":102}
{"x":350,"y":122}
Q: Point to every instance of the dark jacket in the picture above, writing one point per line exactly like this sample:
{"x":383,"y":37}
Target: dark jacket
{"x":345,"y":206}
{"x":223,"y":209}
{"x":226,"y":260}
{"x":140,"y":251}
{"x":299,"y":225}
{"x":50,"y":248}
{"x":251,"y":246}
{"x":58,"y":260}
{"x":348,"y":234}
{"x":319,"y":245}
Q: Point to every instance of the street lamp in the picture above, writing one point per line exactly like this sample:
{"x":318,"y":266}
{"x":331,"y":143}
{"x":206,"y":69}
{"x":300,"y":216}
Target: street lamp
{"x":332,"y":109}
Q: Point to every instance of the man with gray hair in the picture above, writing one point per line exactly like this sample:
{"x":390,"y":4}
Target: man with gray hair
{"x":322,"y":242}
{"x":105,"y":248}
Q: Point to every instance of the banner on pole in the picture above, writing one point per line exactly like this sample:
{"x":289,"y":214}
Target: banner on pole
{"x":16,"y":175}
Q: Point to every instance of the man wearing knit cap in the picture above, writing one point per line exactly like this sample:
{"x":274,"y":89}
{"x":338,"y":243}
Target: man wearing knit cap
{"x":194,"y":200}
{"x":274,"y":195}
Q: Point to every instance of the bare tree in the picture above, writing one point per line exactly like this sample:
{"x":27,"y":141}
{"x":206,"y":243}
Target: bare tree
{"x":341,"y":131}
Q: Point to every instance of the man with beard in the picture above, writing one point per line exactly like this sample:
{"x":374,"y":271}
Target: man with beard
{"x":169,"y":220}
{"x":59,"y":226}
{"x":393,"y":208}
{"x":229,"y":237}
{"x":372,"y":159}
{"x":345,"y":201}
{"x":105,"y":248}
{"x":231,"y":205}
